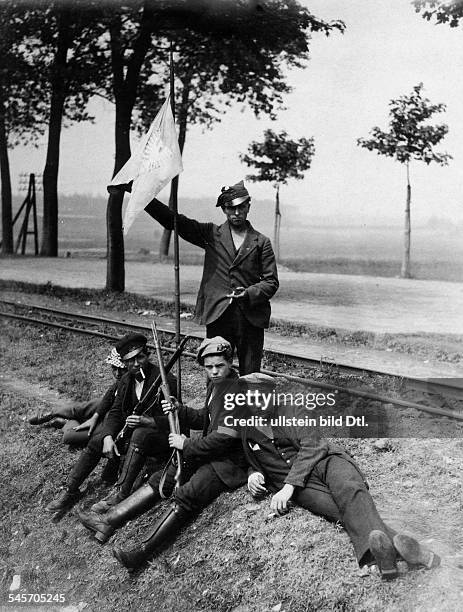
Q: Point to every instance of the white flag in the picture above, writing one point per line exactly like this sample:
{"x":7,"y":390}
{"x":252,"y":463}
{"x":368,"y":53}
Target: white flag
{"x":155,"y":163}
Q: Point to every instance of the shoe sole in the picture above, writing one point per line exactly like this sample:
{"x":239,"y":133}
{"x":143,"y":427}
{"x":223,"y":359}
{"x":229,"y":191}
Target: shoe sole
{"x":412,"y":552}
{"x":383,"y":551}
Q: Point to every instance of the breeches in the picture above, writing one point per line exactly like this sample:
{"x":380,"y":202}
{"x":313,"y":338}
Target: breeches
{"x":246,"y":338}
{"x":77,"y":414}
{"x":200,"y":488}
{"x":336,"y":490}
{"x":149,"y":442}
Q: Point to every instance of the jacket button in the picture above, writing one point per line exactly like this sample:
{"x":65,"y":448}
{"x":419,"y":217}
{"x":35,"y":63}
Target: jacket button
{"x":288,"y":461}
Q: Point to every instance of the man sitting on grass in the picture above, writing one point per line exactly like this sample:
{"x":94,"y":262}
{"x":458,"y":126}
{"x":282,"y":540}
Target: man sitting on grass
{"x":147,"y":433}
{"x":213,"y":464}
{"x":295,"y":465}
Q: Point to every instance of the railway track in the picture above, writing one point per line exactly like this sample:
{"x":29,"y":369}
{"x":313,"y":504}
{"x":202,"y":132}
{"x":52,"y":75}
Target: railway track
{"x":110,"y":329}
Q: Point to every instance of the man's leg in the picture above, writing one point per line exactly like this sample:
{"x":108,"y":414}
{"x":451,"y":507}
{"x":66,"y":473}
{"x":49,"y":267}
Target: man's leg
{"x":104,"y":525}
{"x":143,"y":442}
{"x":87,"y":462}
{"x":346,"y":499}
{"x":249,"y":344}
{"x":200,"y":490}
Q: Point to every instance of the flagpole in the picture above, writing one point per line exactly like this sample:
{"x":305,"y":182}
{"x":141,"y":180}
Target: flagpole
{"x":173,"y":193}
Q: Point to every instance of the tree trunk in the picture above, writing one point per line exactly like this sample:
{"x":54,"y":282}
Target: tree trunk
{"x":7,"y":214}
{"x":405,"y":271}
{"x":125,"y":82}
{"x":59,"y":85}
{"x":115,"y":269}
{"x":164,"y":243}
{"x":276,"y":230}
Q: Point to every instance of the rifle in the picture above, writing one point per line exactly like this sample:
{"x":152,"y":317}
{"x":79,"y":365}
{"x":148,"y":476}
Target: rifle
{"x":139,"y":408}
{"x":174,"y":425}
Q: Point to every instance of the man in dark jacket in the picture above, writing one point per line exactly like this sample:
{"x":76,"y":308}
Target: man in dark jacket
{"x":147,"y":435}
{"x":239,"y":275}
{"x":292,"y":462}
{"x":212,"y":464}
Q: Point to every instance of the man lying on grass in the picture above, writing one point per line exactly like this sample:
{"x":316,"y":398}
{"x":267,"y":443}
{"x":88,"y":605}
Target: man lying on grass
{"x":293,"y":463}
{"x":213,"y":464}
{"x":80,"y":419}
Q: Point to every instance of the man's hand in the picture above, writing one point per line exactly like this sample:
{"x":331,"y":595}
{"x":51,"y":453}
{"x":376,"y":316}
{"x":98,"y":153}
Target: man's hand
{"x":177,"y":441}
{"x":280,"y":500}
{"x":256,"y":483}
{"x":237,"y":294}
{"x":137,"y":420}
{"x":169,"y":406}
{"x":109,"y":448}
{"x":89,"y":424}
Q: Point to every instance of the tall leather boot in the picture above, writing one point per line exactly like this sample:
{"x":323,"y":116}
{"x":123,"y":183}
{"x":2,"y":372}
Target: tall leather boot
{"x":166,"y":528}
{"x":85,"y":465}
{"x":104,"y":525}
{"x":133,"y":463}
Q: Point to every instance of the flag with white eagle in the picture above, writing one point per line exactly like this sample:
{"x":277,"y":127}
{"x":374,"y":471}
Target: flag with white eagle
{"x":156,"y":162}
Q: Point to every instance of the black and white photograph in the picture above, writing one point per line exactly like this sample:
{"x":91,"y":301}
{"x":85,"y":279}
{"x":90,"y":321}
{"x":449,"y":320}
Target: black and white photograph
{"x":231,"y":310}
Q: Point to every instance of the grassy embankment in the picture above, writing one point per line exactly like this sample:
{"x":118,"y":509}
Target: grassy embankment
{"x":233,"y":557}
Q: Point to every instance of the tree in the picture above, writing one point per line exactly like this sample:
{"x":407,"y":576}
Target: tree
{"x":409,"y":138}
{"x":70,"y":54}
{"x":443,"y":12}
{"x":234,"y":53}
{"x":276,"y":160}
{"x":22,"y":107}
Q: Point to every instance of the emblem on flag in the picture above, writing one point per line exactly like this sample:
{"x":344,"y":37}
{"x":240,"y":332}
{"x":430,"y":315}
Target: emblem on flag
{"x":155,"y":163}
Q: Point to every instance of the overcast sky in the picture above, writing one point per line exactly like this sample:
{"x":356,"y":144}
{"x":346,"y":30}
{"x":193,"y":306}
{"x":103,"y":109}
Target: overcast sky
{"x":386,"y":49}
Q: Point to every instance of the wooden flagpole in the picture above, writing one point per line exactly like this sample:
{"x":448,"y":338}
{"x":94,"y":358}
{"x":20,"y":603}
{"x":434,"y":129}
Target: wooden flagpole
{"x":174,"y":193}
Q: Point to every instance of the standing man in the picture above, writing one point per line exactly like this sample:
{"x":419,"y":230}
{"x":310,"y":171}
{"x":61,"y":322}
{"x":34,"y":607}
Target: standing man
{"x":239,"y":276}
{"x":147,"y":432}
{"x":213,"y":464}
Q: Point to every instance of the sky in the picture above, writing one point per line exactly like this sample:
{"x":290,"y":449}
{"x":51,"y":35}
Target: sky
{"x":386,"y":50}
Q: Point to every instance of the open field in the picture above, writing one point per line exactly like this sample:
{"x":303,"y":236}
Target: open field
{"x":309,"y":242}
{"x":233,"y":558}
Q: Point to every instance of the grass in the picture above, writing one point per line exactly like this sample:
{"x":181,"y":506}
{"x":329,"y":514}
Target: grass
{"x":233,"y":557}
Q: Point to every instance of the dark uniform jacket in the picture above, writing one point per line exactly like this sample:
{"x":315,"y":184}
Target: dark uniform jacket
{"x":126,"y":400}
{"x":299,"y":447}
{"x":104,"y":405}
{"x":253,"y":266}
{"x":220,"y":446}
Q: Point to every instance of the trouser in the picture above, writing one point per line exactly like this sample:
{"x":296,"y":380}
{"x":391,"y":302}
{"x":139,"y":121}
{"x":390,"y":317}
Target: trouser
{"x":246,"y":338}
{"x":148,"y":441}
{"x":337,"y":491}
{"x":77,"y":414}
{"x":201,"y":486}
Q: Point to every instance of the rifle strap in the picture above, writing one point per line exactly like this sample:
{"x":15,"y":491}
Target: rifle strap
{"x":170,"y":461}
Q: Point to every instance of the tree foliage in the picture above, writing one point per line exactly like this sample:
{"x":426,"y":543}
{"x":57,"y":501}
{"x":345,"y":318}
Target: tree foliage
{"x":450,"y":13}
{"x":409,"y":137}
{"x":278,"y":158}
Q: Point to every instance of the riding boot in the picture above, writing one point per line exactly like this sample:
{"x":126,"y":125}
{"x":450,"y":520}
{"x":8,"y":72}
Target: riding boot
{"x":133,"y":463}
{"x":104,"y":525}
{"x":110,"y":471}
{"x":166,"y":528}
{"x":85,"y":465}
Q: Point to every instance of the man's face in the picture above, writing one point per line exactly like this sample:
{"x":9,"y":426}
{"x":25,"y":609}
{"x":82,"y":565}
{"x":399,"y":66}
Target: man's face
{"x":135,"y":363}
{"x":217,"y":368}
{"x":118,"y":372}
{"x":236,"y":215}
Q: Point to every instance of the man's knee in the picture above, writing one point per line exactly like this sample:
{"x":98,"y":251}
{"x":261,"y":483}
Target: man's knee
{"x":150,"y":442}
